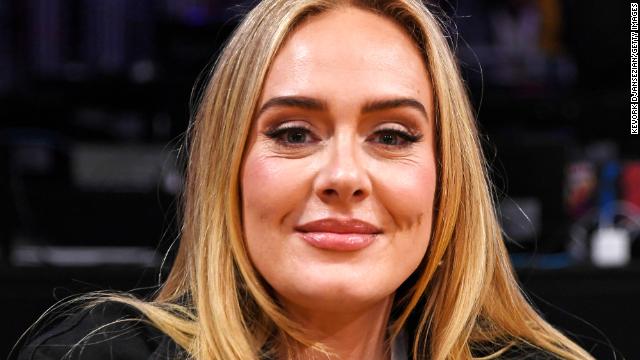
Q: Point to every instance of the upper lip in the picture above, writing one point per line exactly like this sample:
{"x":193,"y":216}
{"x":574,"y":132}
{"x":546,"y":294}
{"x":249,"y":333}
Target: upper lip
{"x":339,"y":226}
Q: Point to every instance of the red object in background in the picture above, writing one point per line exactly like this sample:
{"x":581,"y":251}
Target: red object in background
{"x":630,"y":184}
{"x":580,"y":188}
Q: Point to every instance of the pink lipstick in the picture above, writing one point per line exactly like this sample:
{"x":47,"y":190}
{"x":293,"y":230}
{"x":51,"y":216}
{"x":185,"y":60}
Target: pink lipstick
{"x":338,"y":235}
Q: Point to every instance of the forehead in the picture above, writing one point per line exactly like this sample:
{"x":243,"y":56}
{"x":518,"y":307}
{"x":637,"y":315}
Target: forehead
{"x":347,"y":52}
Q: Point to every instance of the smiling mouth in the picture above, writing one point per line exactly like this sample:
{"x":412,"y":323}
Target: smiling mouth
{"x":338,"y":242}
{"x":339,"y":234}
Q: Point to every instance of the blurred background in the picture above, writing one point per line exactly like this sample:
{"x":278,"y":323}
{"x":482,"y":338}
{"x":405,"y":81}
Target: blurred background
{"x":95,"y":99}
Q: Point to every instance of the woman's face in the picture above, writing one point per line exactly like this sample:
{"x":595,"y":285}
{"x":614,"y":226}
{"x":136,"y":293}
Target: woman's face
{"x":339,"y":173}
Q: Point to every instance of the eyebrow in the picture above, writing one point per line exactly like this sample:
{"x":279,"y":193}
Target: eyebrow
{"x":388,"y":104}
{"x":309,"y":103}
{"x":301,"y":102}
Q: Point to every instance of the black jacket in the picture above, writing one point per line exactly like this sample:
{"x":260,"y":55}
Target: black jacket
{"x":101,"y":334}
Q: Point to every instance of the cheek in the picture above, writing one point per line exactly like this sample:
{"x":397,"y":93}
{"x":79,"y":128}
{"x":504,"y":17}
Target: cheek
{"x":265,"y":186}
{"x":254,"y":199}
{"x":272,"y":189}
{"x":408,"y":196}
{"x":410,"y":205}
{"x":260,"y":204}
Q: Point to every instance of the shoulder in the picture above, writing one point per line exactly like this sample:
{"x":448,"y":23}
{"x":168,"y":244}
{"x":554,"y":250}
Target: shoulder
{"x":106,"y":331}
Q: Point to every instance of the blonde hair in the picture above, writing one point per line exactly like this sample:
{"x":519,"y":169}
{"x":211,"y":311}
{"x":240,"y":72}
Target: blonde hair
{"x":463,"y":298}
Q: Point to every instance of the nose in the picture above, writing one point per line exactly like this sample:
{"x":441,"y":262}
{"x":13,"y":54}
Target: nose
{"x":343,"y":177}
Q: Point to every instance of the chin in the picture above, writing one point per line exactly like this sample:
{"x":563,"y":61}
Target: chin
{"x":335,"y":293}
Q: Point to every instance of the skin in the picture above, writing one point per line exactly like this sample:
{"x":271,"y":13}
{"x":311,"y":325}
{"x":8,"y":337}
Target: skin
{"x":342,"y":165}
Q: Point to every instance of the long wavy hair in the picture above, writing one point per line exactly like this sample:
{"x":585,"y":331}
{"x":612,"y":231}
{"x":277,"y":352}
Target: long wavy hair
{"x":462,"y":300}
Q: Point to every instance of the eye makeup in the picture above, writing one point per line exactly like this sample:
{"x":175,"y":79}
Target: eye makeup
{"x":290,"y":135}
{"x":395,"y":138}
{"x":295,"y":135}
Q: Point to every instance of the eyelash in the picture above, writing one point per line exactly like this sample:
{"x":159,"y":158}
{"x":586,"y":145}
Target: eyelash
{"x":276,"y":135}
{"x":407,"y":138}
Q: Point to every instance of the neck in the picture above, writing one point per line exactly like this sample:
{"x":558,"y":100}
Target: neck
{"x":352,"y":334}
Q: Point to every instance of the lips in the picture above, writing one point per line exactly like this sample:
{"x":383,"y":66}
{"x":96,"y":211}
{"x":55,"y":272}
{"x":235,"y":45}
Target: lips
{"x":339,"y":235}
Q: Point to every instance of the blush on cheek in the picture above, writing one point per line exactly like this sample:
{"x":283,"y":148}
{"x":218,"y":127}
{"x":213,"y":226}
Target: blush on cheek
{"x":256,"y":178}
{"x":269,"y":187}
{"x":409,"y":198}
{"x":268,"y":171}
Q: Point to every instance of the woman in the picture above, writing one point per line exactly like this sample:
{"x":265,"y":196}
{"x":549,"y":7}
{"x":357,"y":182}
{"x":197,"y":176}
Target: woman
{"x":336,"y":206}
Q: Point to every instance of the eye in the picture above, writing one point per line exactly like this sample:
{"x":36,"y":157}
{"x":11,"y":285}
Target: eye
{"x":290,"y":135}
{"x":395,"y":138}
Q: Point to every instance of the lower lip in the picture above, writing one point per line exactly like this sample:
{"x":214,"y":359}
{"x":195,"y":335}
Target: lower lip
{"x":338,"y":242}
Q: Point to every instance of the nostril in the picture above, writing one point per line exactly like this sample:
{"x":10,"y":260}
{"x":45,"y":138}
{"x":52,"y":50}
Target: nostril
{"x":329,"y":192}
{"x":333,"y":192}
